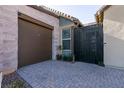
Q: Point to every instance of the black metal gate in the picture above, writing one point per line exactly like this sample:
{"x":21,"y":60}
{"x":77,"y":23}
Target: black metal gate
{"x":88,"y":44}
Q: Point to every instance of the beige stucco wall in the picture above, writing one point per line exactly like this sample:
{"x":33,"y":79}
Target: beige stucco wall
{"x":113,"y":27}
{"x":9,"y":34}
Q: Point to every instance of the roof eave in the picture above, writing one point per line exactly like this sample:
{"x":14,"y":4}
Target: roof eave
{"x":39,"y":8}
{"x":102,"y":9}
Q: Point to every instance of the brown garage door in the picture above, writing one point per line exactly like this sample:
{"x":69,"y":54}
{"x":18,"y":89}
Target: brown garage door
{"x":35,"y":43}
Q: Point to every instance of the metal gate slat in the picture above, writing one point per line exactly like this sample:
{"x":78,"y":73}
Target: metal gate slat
{"x":88,"y":44}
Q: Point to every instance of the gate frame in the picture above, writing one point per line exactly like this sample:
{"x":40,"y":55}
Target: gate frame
{"x":99,"y":46}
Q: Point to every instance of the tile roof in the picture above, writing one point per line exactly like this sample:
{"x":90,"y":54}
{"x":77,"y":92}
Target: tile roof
{"x":103,"y":8}
{"x":100,"y":13}
{"x":56,"y":13}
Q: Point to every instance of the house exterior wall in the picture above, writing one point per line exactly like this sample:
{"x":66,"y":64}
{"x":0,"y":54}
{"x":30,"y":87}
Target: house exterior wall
{"x":113,"y":27}
{"x":64,"y":22}
{"x":9,"y":34}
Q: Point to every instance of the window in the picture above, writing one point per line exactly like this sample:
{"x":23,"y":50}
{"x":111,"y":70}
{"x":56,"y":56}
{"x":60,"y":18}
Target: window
{"x":66,"y":44}
{"x":66,"y":41}
{"x":66,"y":34}
{"x":67,"y":53}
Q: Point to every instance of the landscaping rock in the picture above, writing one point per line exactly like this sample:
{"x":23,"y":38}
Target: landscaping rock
{"x":14,"y":80}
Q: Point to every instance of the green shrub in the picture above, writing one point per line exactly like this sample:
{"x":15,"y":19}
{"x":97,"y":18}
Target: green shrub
{"x":16,"y":84}
{"x":68,"y":58}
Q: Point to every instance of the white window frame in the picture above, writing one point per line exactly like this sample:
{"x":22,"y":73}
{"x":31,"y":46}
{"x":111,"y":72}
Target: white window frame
{"x":68,"y":28}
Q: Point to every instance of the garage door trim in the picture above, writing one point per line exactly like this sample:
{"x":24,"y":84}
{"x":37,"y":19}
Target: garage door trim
{"x":34,"y":21}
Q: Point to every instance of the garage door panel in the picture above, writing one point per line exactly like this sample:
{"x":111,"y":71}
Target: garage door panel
{"x":35,"y":43}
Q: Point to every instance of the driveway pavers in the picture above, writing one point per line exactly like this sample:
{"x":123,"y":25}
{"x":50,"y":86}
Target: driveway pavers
{"x":59,"y":74}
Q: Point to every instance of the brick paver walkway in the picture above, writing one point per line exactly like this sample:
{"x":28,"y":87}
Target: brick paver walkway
{"x":78,"y":75}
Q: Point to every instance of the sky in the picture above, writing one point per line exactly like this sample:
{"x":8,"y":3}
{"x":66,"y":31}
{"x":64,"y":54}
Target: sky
{"x":85,"y":13}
